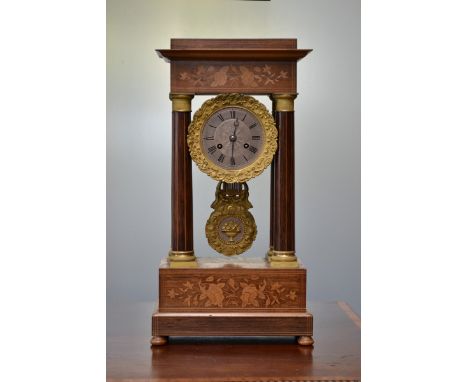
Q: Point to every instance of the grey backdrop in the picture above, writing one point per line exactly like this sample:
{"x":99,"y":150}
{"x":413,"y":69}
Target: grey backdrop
{"x":327,"y":137}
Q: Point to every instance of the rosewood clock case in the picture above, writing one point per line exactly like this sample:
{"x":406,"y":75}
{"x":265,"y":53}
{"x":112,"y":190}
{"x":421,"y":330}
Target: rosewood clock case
{"x":265,"y":295}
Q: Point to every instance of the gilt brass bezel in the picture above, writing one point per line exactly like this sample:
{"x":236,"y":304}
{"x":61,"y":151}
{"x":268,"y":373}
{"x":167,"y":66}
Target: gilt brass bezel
{"x":214,"y":105}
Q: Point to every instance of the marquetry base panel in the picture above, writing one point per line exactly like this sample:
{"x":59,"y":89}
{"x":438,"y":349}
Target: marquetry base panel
{"x":231,"y":297}
{"x":231,"y":285}
{"x":232,"y":324}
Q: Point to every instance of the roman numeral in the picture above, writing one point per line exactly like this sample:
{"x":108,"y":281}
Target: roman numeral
{"x":253,"y":149}
{"x":211,"y":149}
{"x":210,"y":138}
{"x":220,"y":117}
{"x":244,"y":116}
{"x":252,"y":125}
{"x":255,"y":137}
{"x":233,"y":113}
{"x":233,"y":161}
{"x":221,"y":158}
{"x":245,"y":158}
{"x":214,"y":127}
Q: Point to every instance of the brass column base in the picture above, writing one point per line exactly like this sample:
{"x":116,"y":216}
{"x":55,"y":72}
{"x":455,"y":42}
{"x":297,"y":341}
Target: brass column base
{"x":178,"y":256}
{"x":287,"y":256}
{"x":268,"y":254}
{"x":282,"y":259}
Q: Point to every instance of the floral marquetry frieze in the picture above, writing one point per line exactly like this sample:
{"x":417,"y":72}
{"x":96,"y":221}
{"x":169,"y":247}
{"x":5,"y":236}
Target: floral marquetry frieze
{"x":245,"y":77}
{"x":232,"y":292}
{"x":242,"y":75}
{"x":211,"y":292}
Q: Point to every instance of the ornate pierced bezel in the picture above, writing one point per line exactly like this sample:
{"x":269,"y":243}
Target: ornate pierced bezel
{"x":214,"y":105}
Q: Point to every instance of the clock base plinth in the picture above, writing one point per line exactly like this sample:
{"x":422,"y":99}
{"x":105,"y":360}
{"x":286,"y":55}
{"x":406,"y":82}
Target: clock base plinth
{"x":232,"y":325}
{"x":232,"y":297}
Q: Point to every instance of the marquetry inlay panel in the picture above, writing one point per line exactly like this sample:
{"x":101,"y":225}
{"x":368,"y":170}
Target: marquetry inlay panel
{"x":232,"y":289}
{"x":221,"y":77}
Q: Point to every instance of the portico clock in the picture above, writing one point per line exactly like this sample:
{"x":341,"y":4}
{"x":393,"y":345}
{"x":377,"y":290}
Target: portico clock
{"x":233,"y":138}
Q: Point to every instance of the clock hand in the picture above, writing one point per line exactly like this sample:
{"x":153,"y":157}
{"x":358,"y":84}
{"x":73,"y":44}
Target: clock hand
{"x":236,"y":125}
{"x":233,"y":138}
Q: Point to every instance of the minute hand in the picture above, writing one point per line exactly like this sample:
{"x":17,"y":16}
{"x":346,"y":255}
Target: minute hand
{"x":233,"y":138}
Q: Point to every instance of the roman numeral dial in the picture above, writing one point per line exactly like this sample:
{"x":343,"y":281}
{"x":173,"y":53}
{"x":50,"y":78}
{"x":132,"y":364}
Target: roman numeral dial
{"x":232,"y":138}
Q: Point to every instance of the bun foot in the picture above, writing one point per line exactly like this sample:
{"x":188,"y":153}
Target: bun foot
{"x":305,"y":341}
{"x":159,"y":340}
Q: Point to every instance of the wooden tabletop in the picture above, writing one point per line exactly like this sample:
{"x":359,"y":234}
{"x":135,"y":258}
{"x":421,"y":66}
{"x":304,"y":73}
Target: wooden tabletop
{"x":335,"y":357}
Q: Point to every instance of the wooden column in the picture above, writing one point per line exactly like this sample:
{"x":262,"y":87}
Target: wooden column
{"x":272,"y":195}
{"x":283,"y":181}
{"x":181,"y":202}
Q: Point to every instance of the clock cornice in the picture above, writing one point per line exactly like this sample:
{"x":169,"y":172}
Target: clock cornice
{"x":249,"y":66}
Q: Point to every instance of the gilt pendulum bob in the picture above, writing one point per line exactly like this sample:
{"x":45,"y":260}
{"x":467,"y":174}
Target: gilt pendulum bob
{"x":231,"y":228}
{"x":233,"y":138}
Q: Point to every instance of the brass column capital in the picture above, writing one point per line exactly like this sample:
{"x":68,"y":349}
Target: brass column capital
{"x":283,"y":102}
{"x":181,"y":102}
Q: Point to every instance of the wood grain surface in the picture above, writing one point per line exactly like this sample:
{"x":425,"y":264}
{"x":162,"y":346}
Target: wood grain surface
{"x":239,"y":43}
{"x":232,"y":324}
{"x":335,"y":357}
{"x":272,"y":190}
{"x":182,"y":209}
{"x":172,"y":55}
{"x":283,"y":191}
